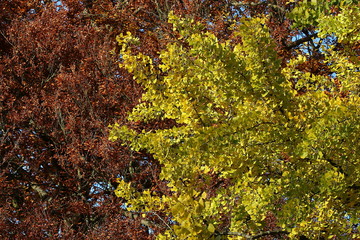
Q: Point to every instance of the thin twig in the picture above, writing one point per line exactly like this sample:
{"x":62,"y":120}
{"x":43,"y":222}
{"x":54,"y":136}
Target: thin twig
{"x":6,"y":39}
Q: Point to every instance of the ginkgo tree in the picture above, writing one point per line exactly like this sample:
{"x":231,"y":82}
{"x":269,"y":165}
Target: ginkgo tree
{"x":253,"y":136}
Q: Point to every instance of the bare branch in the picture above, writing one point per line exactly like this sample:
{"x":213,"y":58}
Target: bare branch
{"x":300,"y":41}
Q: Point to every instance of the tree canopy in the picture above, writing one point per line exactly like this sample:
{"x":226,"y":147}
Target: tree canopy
{"x":262,"y":142}
{"x":234,"y":119}
{"x":60,"y":87}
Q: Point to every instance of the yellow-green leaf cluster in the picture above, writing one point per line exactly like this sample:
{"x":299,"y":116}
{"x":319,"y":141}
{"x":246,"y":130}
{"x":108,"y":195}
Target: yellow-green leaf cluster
{"x":239,"y":118}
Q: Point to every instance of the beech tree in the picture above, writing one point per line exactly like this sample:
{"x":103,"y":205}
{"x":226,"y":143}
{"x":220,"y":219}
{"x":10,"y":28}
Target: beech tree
{"x":264,"y":140}
{"x":57,"y":167}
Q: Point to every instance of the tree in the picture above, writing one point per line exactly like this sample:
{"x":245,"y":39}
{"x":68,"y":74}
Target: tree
{"x":60,"y":88}
{"x":57,"y":166}
{"x":258,"y":133}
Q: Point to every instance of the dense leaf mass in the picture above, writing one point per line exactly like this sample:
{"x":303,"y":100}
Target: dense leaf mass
{"x":249,"y":111}
{"x":60,"y":88}
{"x":273,"y":122}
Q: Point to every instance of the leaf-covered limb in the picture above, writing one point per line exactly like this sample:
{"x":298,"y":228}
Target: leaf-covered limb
{"x":273,"y":233}
{"x":256,"y":137}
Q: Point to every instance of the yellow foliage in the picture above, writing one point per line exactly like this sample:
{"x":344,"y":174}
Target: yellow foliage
{"x":239,"y":117}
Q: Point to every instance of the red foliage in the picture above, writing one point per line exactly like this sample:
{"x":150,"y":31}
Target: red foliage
{"x":60,"y":89}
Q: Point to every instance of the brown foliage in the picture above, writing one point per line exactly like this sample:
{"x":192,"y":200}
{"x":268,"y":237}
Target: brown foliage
{"x":60,"y":88}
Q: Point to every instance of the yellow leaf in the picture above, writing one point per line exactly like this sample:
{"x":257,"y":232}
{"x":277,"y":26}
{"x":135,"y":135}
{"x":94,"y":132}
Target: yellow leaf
{"x":211,"y":228}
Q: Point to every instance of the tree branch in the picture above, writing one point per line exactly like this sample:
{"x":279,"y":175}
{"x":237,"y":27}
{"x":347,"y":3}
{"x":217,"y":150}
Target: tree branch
{"x":254,"y":4}
{"x":300,"y":41}
{"x":256,"y":236}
